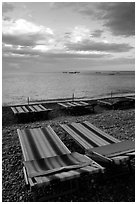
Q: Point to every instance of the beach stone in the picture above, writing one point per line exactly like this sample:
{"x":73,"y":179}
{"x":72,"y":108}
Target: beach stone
{"x":20,"y":198}
{"x":120,"y":124}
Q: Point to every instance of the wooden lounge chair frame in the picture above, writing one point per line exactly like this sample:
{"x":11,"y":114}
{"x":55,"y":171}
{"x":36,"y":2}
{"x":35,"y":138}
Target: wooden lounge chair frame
{"x":77,"y":105}
{"x":122,"y":102}
{"x":28,"y":111}
{"x":40,"y":139}
{"x":99,"y":145}
{"x":131,"y":97}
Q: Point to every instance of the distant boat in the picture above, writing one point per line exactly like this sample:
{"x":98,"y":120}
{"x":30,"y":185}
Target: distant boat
{"x":71,"y":72}
{"x":76,"y":72}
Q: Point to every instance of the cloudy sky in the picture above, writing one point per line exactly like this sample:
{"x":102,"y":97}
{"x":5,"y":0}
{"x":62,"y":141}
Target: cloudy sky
{"x":68,"y":36}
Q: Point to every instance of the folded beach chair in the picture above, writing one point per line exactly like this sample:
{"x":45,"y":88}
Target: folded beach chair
{"x":99,"y":145}
{"x":47,"y":160}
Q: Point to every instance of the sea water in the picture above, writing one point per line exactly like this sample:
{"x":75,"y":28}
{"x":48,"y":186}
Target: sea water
{"x":18,"y":86}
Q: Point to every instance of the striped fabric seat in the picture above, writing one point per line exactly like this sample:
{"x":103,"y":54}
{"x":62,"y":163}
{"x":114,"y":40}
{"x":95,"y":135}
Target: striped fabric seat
{"x":99,"y":145}
{"x":46,"y":158}
{"x":52,"y":165}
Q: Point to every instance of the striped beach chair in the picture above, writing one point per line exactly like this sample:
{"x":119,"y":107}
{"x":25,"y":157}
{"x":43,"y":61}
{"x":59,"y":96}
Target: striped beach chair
{"x":47,"y":160}
{"x":99,"y":145}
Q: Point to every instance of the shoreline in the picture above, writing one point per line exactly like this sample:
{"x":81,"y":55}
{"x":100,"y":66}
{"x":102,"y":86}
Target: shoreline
{"x":52,"y":101}
{"x":118,"y":123}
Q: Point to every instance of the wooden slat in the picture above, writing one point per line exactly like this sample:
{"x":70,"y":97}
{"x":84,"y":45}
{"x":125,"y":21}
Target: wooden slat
{"x":25,"y":176}
{"x":24,"y":107}
{"x":68,"y":175}
{"x":37,"y":108}
{"x":84,"y":103}
{"x":63,"y":176}
{"x":70,"y":104}
{"x":77,"y":103}
{"x":32,"y":184}
{"x":120,"y":159}
{"x":43,"y":108}
{"x":90,"y":169}
{"x":14,"y":110}
{"x":20,"y":110}
{"x":64,"y":105}
{"x":44,"y":180}
{"x":105,"y":102}
{"x":32,"y":109}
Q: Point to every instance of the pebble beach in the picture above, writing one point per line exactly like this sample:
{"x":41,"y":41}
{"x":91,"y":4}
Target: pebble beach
{"x":118,"y":123}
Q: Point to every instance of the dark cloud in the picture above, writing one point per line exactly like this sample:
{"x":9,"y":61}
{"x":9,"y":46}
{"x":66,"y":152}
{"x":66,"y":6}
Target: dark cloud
{"x":6,"y":6}
{"x":118,"y":17}
{"x":97,"y":33}
{"x":88,"y":45}
{"x":23,"y":39}
{"x":22,"y":51}
{"x":18,"y":40}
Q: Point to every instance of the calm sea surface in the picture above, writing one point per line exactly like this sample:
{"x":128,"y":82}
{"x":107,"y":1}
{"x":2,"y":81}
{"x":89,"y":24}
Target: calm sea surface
{"x":17,"y":87}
